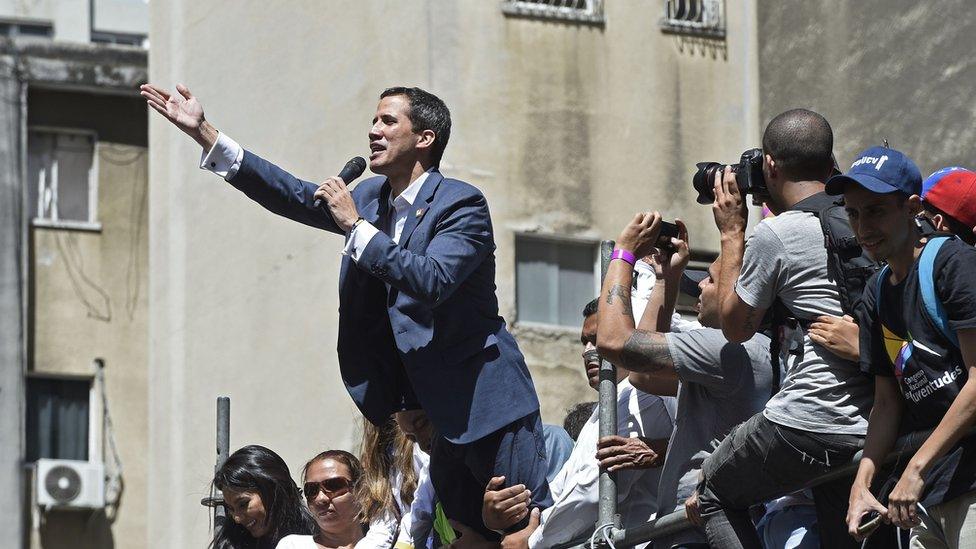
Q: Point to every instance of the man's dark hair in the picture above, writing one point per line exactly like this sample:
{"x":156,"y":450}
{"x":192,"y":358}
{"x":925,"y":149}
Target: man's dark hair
{"x":801,"y":142}
{"x":576,"y":418}
{"x":591,"y":308}
{"x":427,"y":112}
{"x":956,"y":227}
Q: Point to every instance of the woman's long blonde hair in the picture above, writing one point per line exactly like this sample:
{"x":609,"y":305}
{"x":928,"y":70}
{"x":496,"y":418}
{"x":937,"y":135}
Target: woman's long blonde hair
{"x":385,"y":450}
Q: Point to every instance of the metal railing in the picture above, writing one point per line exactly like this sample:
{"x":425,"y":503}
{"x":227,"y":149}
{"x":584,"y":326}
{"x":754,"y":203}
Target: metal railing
{"x":608,"y":521}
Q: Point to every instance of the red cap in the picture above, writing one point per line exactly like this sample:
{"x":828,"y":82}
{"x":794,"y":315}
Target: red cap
{"x":953,"y":190}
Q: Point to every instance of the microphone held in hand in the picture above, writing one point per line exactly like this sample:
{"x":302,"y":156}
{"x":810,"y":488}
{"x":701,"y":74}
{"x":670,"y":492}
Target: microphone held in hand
{"x":353,"y":169}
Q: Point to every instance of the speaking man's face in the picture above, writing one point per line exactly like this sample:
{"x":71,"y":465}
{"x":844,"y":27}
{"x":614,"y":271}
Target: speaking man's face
{"x":392,"y":141}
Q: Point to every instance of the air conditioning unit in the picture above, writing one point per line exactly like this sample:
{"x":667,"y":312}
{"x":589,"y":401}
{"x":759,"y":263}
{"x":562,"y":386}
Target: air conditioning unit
{"x":70,"y":484}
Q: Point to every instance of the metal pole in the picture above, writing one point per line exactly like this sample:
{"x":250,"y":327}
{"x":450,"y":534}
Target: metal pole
{"x":608,"y":416}
{"x":223,"y":450}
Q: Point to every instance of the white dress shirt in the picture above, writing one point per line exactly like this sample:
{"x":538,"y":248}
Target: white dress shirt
{"x":224,"y":159}
{"x":575,"y":490}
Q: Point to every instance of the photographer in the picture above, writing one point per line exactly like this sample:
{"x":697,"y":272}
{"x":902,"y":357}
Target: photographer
{"x":722,"y":383}
{"x":818,"y":419}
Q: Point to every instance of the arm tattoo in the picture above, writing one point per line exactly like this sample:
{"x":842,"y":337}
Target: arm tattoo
{"x":623,"y":293}
{"x":646,"y":352}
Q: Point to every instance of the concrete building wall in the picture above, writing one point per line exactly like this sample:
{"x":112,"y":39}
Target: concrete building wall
{"x":82,"y":293}
{"x":569,"y":129}
{"x":897,"y":70}
{"x":90,"y":301}
{"x":70,"y":18}
{"x":73,"y":20}
{"x":13,"y":325}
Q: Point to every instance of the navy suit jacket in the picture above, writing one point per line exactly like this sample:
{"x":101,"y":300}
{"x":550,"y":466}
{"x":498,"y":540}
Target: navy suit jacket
{"x":439,"y":320}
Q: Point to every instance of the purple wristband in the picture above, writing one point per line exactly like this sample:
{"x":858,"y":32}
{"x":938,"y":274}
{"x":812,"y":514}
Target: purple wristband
{"x":625,"y":255}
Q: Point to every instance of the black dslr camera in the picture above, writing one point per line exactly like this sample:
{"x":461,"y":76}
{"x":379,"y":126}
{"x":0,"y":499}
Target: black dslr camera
{"x":748,"y":175}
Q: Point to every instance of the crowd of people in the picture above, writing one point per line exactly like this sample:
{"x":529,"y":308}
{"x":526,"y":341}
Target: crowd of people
{"x":846,"y":319}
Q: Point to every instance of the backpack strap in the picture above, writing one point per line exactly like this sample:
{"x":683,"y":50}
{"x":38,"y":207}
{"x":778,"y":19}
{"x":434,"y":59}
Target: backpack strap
{"x":926,"y":283}
{"x":879,"y":287}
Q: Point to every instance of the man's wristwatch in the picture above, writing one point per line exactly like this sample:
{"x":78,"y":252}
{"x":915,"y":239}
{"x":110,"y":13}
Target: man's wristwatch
{"x":356,"y":223}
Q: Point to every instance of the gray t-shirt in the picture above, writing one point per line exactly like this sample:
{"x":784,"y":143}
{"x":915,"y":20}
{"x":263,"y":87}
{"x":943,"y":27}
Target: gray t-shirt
{"x":821,"y":393}
{"x":722,"y":385}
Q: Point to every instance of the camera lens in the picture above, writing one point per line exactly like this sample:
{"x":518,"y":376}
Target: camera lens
{"x":704,"y":181}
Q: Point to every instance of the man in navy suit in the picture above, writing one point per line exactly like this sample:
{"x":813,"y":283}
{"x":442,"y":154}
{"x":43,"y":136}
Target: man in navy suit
{"x":418,"y":316}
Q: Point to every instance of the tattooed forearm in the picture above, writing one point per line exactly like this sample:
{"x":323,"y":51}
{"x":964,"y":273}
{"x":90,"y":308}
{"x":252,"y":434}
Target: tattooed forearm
{"x":621,"y":293}
{"x":646,"y":352}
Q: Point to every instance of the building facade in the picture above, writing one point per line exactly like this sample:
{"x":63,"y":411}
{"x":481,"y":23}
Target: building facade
{"x":570,"y":120}
{"x":73,"y":274}
{"x":159,"y":286}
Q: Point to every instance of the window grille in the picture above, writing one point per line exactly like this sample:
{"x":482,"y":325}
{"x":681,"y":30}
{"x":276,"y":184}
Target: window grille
{"x":554,"y":279}
{"x":588,"y":11}
{"x":694,"y":17}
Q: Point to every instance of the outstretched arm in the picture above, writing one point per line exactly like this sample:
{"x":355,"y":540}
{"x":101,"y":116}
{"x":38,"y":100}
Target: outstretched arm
{"x":275,"y":189}
{"x":618,"y":340}
{"x":183,"y":110}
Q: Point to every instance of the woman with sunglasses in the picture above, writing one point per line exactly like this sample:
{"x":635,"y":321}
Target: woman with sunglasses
{"x":261,"y":498}
{"x":330,"y":480}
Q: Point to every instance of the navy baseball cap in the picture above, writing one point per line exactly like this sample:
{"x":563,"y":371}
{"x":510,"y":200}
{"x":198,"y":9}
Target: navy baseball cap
{"x":880,"y":170}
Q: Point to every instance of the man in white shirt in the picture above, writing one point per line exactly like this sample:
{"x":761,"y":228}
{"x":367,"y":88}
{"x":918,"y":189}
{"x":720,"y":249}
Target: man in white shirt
{"x":644,"y":425}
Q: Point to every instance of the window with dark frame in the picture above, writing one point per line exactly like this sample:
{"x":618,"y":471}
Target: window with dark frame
{"x":57,"y":418}
{"x":554,"y":279}
{"x":60,"y":176}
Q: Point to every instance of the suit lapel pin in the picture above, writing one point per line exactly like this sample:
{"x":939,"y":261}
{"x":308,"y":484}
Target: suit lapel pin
{"x":419,"y":212}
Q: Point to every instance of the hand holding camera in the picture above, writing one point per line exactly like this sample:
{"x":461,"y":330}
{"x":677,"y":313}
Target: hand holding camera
{"x":641,"y":235}
{"x":670,"y":260}
{"x":729,"y":207}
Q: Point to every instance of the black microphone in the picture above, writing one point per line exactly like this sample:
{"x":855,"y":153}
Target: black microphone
{"x":353,"y":169}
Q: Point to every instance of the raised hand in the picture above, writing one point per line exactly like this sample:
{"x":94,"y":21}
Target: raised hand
{"x":729,"y":208}
{"x":183,"y":110}
{"x":641,"y":234}
{"x":670,"y":265}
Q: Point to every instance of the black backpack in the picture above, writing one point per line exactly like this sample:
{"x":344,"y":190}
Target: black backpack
{"x":847,"y":266}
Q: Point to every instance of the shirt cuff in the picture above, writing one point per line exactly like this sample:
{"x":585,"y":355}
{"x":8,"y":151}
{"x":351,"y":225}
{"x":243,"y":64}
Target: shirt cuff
{"x":224,"y":158}
{"x":358,"y":239}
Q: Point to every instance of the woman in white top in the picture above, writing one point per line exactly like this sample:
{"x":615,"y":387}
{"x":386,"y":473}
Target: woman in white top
{"x":330,"y":482}
{"x":393,"y":468}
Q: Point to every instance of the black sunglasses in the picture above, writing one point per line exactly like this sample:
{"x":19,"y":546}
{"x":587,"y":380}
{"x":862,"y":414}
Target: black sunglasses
{"x":333,"y":488}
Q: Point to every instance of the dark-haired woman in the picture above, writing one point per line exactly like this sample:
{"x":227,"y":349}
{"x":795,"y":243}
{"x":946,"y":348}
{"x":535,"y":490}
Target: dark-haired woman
{"x":261,"y":498}
{"x":329,"y":481}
